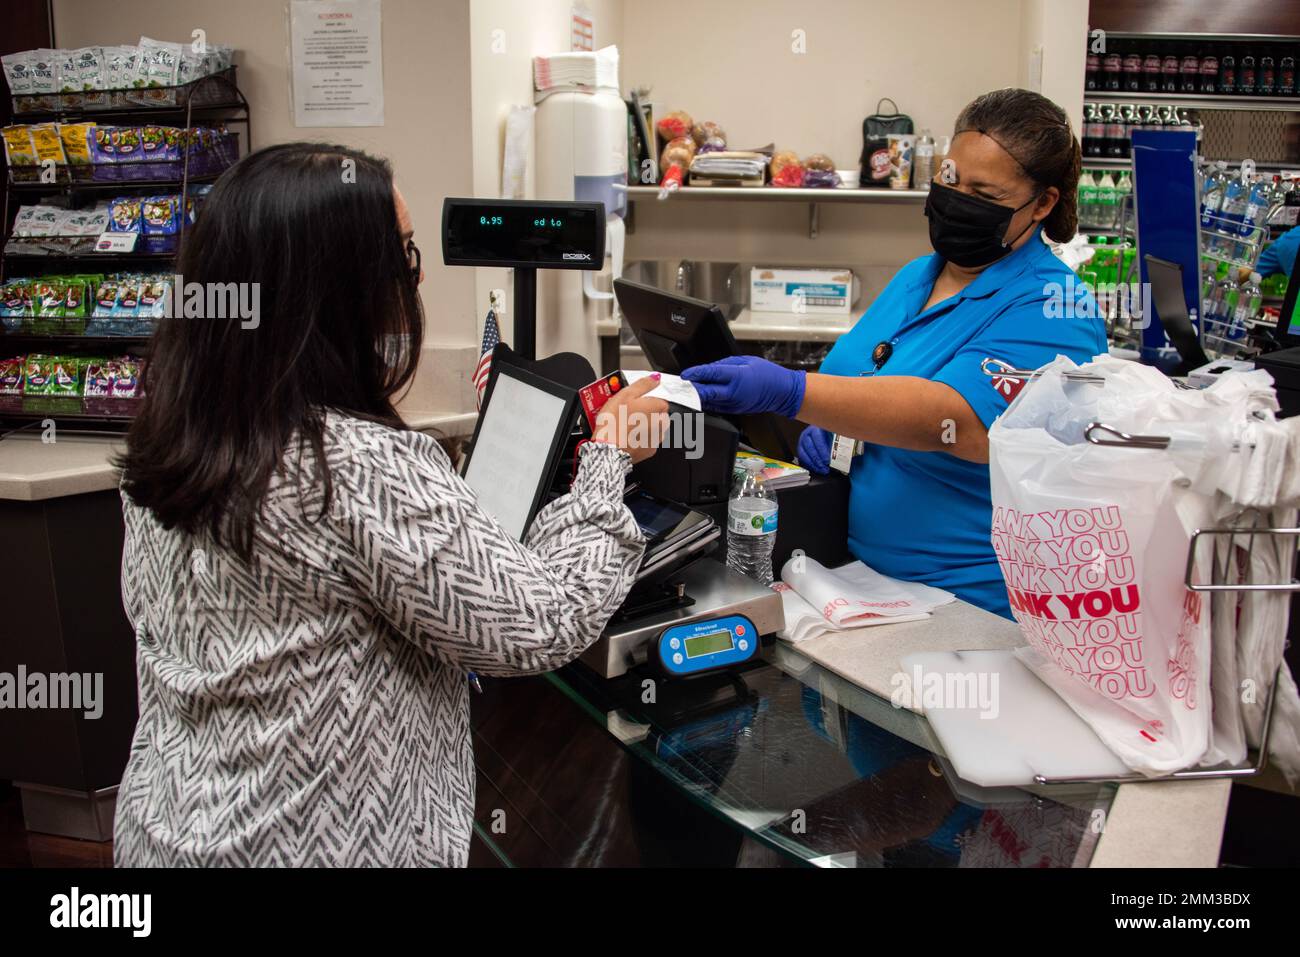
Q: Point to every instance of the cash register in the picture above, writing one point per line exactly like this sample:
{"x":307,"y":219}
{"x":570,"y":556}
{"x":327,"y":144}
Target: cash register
{"x":688,"y":614}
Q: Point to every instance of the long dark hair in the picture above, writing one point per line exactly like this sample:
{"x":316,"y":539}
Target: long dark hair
{"x":1036,"y":132}
{"x":339,"y":328}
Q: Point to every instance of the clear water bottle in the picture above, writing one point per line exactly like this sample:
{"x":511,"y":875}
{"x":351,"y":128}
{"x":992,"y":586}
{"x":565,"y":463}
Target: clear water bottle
{"x":751,"y":524}
{"x":1248,"y":302}
{"x":1257,"y":206}
{"x":1212,"y":196}
{"x":1236,"y":196}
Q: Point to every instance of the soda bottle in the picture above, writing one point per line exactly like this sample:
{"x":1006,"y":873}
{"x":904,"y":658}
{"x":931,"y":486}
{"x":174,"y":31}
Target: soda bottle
{"x":1091,"y":71}
{"x":1112,"y":68}
{"x":1114,"y":122}
{"x":1267,"y":81}
{"x":1093,"y":131}
{"x":1123,"y":193}
{"x":1151,"y":71}
{"x":1286,"y":76}
{"x":1169,"y":67}
{"x":1106,"y":201}
{"x":1228,"y":73}
{"x":1087,"y":199}
{"x":751,"y":524}
{"x":1189,"y":71}
{"x":1246,"y":76}
{"x":1209,"y":72}
{"x":1132,"y":69}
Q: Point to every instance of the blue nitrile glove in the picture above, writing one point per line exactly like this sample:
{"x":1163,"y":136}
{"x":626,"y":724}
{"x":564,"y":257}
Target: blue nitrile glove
{"x":739,"y":385}
{"x":815,"y":450}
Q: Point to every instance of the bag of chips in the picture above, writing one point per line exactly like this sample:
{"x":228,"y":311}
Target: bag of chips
{"x":19,"y":149}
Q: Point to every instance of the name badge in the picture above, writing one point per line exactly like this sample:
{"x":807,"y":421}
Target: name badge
{"x":843,"y":449}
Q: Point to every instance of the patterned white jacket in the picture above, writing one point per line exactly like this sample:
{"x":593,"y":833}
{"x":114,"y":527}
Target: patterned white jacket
{"x":310,"y":707}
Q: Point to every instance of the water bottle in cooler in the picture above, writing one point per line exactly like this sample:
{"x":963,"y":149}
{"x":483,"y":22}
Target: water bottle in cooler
{"x":751,"y":524}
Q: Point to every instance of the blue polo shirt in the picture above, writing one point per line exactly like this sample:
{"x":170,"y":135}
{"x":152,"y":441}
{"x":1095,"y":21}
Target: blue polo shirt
{"x":926,"y":516}
{"x":1280,"y":256}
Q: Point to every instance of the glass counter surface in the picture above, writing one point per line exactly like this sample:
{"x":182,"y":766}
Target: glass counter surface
{"x":821,"y":772}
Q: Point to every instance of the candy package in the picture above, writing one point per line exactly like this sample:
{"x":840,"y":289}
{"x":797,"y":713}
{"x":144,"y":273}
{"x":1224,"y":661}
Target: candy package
{"x":19,"y":149}
{"x":125,"y":376}
{"x":38,"y":372}
{"x":45,"y":84}
{"x":11,"y":376}
{"x":17,"y":72}
{"x":160,"y":215}
{"x":48,"y":144}
{"x":124,"y":214}
{"x":76,"y":142}
{"x":97,"y":380}
{"x":65,"y":377}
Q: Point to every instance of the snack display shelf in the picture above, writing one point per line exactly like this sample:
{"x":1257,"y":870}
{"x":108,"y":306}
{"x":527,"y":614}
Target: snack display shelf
{"x":216,"y":93}
{"x":115,"y":186}
{"x":208,"y":95}
{"x":66,"y":340}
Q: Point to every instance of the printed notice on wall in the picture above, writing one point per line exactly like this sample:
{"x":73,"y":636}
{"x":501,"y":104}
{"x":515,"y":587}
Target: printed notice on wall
{"x":338,"y":63}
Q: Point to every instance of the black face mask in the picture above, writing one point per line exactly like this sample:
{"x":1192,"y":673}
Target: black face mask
{"x":969,"y":231}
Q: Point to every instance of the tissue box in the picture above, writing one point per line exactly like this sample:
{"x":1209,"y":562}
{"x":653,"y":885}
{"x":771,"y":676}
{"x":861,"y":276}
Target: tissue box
{"x":815,"y":292}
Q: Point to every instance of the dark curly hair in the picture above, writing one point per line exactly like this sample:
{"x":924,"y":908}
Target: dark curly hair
{"x":1037,"y":134}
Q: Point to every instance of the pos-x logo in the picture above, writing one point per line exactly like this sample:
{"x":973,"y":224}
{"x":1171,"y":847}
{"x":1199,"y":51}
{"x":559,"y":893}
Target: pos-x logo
{"x":579,"y":257}
{"x":678,"y":317}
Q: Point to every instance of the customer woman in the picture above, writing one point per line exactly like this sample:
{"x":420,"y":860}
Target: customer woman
{"x":309,"y":580}
{"x":907,"y":378}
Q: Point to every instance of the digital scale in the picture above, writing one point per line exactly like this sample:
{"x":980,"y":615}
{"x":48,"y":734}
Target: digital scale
{"x":719,"y":628}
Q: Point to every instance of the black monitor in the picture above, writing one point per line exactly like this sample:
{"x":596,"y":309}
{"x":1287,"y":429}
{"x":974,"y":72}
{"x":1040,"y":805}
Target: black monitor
{"x":1288,"y":323}
{"x":1171,"y":307}
{"x":675,"y":331}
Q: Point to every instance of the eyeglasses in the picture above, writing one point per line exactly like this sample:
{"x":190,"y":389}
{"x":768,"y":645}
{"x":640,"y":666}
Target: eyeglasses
{"x":413,"y":258}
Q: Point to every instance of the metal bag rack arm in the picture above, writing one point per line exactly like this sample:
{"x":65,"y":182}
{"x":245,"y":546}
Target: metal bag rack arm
{"x":1099,"y":433}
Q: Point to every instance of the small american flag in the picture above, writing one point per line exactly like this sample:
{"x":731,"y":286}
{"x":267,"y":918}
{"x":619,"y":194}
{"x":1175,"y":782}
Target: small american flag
{"x":491,"y":336}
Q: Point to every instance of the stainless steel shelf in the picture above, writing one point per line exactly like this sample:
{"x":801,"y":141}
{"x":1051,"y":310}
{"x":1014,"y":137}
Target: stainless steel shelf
{"x":1197,"y":101}
{"x":775,"y":194}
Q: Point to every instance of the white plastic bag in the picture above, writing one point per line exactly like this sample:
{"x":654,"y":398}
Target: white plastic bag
{"x":1093,"y":544}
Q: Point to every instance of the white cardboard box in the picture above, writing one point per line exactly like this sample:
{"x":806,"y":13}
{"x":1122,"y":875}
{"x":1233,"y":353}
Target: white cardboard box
{"x":816,"y":292}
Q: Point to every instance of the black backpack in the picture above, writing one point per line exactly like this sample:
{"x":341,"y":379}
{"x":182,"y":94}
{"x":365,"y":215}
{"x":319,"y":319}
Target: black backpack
{"x":874,"y":162}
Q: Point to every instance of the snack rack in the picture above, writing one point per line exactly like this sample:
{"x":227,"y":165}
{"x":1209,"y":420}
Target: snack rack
{"x":1248,"y":526}
{"x":213,"y":98}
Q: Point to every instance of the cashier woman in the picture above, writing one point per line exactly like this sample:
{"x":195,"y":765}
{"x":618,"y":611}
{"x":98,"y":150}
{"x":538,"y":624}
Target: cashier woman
{"x":907,"y":378}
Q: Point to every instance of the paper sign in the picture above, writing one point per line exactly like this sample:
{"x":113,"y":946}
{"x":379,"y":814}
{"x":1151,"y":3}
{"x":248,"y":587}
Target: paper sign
{"x":116,"y":242}
{"x":338,"y":63}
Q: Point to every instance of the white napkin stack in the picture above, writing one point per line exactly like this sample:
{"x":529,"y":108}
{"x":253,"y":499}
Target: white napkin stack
{"x":818,"y":599}
{"x":586,"y":70}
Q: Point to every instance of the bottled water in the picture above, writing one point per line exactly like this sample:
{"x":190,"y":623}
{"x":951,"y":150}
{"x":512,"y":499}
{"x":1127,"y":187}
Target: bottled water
{"x":1236,"y":196}
{"x":1260,"y":198}
{"x":751,"y":524}
{"x":1248,"y":303}
{"x":1212,"y":196}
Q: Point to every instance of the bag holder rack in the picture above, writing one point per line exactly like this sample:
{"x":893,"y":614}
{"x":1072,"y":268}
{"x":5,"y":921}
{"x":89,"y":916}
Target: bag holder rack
{"x":1098,"y":433}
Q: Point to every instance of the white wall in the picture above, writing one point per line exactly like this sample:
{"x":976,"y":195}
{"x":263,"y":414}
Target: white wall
{"x":505,"y":35}
{"x":427,"y":119}
{"x":734,"y":61}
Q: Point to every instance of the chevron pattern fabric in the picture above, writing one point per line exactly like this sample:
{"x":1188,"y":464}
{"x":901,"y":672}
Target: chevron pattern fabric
{"x":310,"y":707}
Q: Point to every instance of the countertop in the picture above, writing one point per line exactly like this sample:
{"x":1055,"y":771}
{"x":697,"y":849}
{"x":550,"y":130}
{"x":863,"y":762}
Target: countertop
{"x":1157,"y":824}
{"x":32,"y":470}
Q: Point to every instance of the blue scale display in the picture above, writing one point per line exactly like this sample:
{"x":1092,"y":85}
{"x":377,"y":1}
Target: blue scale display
{"x":707,"y":645}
